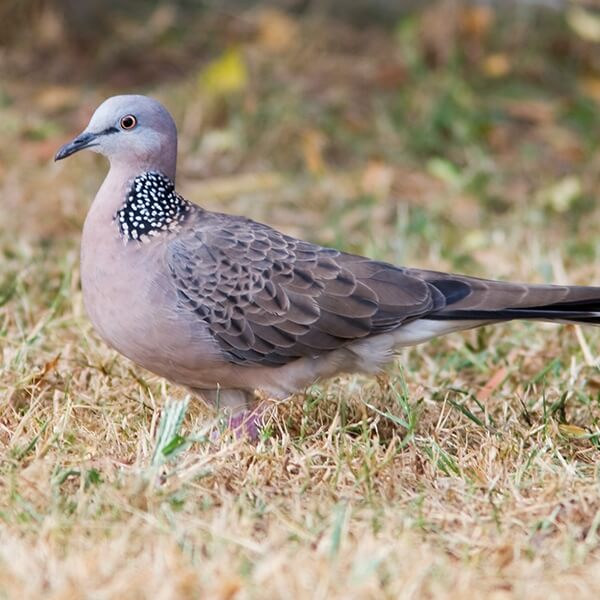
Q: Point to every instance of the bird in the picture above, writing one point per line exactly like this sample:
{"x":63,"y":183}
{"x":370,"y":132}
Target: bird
{"x":229,"y":307}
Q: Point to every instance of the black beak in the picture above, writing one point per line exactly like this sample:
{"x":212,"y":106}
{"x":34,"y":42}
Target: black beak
{"x":85,"y":140}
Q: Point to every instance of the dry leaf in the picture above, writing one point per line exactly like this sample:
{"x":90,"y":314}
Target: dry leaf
{"x":225,"y":75}
{"x":495,"y":380}
{"x":476,"y":21}
{"x":377,"y":179}
{"x":594,"y":383}
{"x":496,"y":65}
{"x":229,"y":589}
{"x":591,"y":87}
{"x":276,"y":31}
{"x":573,"y":432}
{"x":47,"y":368}
{"x":504,"y":556}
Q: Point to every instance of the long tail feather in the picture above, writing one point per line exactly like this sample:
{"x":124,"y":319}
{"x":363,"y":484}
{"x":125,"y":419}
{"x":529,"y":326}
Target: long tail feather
{"x":472,"y":299}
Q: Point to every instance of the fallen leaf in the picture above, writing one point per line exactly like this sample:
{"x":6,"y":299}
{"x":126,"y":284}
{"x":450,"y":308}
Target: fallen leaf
{"x":572,"y":431}
{"x":229,"y":589}
{"x":591,"y":87}
{"x":276,"y":31}
{"x":504,"y":555}
{"x":594,"y":383}
{"x":377,"y":179}
{"x":495,"y":380}
{"x":225,"y":75}
{"x":476,"y":21}
{"x":496,"y":65}
{"x":47,"y":368}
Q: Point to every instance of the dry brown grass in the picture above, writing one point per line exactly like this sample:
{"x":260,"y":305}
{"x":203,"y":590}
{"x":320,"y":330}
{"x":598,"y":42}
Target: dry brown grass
{"x":470,"y":470}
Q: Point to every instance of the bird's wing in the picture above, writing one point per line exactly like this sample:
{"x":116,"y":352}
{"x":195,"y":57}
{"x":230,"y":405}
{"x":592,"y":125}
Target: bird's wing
{"x":269,"y":299}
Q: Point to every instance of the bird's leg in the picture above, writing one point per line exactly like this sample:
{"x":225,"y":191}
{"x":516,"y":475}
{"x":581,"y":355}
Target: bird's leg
{"x":242,"y":411}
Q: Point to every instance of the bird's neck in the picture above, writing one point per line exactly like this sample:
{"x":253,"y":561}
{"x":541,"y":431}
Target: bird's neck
{"x":138,"y":205}
{"x":151,"y":207}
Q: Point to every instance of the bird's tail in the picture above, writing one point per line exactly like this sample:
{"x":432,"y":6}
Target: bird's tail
{"x":472,"y":299}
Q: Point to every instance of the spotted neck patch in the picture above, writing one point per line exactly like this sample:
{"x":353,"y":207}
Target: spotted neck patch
{"x":152,"y":206}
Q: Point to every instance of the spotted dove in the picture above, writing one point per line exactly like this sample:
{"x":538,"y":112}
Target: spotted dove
{"x":227,"y":306}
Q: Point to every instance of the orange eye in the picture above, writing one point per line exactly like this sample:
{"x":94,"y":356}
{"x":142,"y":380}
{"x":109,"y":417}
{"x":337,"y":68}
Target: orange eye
{"x":128,"y":122}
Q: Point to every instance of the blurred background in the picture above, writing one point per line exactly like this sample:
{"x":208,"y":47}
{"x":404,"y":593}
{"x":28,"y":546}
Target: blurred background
{"x":459,"y":135}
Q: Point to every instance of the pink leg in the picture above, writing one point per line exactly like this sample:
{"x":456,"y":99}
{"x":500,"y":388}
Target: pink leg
{"x":247,"y":423}
{"x":244,"y":419}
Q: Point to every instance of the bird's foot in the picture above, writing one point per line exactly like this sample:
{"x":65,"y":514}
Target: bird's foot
{"x":243,"y":413}
{"x":246,"y":424}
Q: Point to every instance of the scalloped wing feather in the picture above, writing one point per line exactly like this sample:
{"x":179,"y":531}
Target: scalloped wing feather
{"x":269,"y":299}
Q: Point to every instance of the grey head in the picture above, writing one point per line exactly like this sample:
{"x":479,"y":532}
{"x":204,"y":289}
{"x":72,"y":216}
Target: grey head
{"x":134,"y":132}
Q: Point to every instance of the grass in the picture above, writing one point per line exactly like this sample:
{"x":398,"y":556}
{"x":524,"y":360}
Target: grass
{"x":468,"y":470}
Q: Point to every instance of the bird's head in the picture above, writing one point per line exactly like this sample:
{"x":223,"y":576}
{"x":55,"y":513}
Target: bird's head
{"x":130,"y":130}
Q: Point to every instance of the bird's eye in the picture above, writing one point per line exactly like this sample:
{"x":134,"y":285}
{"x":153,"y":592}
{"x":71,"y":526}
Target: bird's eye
{"x":128,"y":122}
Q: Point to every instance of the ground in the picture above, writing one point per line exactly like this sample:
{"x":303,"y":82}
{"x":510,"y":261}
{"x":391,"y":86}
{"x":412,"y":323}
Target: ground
{"x":464,"y":141}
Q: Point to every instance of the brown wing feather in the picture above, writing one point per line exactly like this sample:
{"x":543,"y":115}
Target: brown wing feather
{"x":269,"y":299}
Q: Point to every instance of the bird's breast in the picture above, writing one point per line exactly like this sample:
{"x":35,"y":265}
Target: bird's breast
{"x":117,"y":281}
{"x":132,"y":302}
